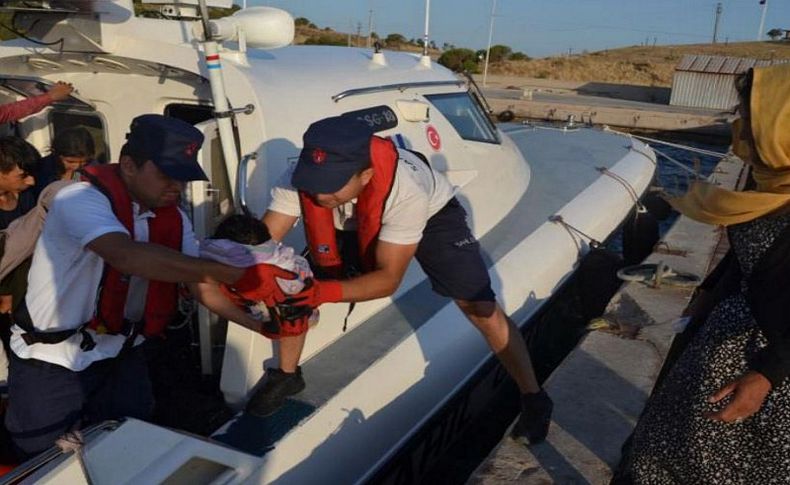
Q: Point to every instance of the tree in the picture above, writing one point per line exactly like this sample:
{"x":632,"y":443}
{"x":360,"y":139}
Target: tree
{"x":304,"y":22}
{"x":500,"y":52}
{"x":459,"y":60}
{"x":775,"y":34}
{"x":325,"y":39}
{"x":518,"y":56}
{"x":395,"y":40}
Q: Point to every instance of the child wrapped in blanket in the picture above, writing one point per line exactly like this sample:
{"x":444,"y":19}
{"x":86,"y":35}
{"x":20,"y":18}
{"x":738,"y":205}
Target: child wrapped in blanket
{"x":243,"y":241}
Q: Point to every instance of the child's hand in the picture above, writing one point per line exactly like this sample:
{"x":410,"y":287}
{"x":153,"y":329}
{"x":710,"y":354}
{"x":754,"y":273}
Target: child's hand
{"x":259,"y":283}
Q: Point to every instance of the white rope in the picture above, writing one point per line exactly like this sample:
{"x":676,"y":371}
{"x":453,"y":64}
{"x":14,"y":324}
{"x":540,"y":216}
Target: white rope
{"x":679,"y":164}
{"x":670,"y":144}
{"x":74,"y":442}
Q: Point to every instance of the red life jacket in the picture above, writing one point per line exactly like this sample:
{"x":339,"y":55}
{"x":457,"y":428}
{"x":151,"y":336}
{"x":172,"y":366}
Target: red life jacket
{"x":161,"y":300}
{"x":319,"y":222}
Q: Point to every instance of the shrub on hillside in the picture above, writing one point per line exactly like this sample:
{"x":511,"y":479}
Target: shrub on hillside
{"x":325,"y":39}
{"x":395,"y":40}
{"x":304,"y":22}
{"x":459,"y":60}
{"x":519,"y":56}
{"x":500,"y":52}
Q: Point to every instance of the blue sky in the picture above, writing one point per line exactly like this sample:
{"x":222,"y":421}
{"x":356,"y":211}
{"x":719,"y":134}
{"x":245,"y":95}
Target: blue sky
{"x":546,"y":27}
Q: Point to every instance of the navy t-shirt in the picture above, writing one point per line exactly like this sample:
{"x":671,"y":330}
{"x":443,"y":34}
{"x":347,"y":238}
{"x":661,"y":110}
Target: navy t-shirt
{"x":27,"y":200}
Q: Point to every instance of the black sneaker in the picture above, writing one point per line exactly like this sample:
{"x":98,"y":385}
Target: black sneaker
{"x":533,"y":423}
{"x":270,"y":397}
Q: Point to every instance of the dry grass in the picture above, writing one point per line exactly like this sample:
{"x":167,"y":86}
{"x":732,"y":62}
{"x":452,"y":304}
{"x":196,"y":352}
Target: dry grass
{"x":646,"y":66}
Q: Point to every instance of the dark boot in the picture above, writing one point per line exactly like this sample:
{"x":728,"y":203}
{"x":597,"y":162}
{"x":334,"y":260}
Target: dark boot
{"x":270,"y":397}
{"x":533,"y":423}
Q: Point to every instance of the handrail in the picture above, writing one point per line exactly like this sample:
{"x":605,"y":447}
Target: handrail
{"x":394,"y":87}
{"x":22,"y":471}
{"x":241,"y":181}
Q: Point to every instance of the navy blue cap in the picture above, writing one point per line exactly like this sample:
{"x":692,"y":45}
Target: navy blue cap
{"x":170,"y":143}
{"x":334,"y":150}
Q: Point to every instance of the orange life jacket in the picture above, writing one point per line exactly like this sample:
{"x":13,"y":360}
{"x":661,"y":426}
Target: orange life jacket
{"x":161,"y":299}
{"x":320,"y":225}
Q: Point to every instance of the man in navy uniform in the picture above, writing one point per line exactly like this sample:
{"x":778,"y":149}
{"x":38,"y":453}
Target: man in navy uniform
{"x":400,"y":208}
{"x":104,"y":279}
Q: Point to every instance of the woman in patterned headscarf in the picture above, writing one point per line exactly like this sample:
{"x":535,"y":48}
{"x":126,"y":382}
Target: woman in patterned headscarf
{"x":722,"y":414}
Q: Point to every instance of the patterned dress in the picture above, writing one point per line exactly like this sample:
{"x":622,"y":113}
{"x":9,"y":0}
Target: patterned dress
{"x":673,"y":442}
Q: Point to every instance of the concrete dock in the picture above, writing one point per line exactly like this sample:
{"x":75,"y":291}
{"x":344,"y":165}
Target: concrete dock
{"x":602,"y":386}
{"x":633,"y":107}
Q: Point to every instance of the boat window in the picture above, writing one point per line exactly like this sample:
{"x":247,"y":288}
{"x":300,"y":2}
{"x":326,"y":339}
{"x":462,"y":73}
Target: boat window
{"x":466,"y":115}
{"x":198,"y":470}
{"x":34,"y":87}
{"x":192,"y":114}
{"x":60,"y":120}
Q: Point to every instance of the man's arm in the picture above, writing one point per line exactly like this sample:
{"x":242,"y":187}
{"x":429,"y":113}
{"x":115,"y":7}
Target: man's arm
{"x":278,"y":224}
{"x":20,"y":109}
{"x":391,"y":263}
{"x":156,"y":262}
{"x":212,"y":298}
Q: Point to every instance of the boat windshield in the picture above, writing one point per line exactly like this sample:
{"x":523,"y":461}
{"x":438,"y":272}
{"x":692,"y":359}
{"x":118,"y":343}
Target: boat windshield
{"x":466,"y":115}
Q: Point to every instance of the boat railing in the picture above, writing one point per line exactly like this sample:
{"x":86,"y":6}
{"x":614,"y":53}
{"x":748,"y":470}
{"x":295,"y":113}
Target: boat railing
{"x":241,"y":181}
{"x":36,"y":463}
{"x":394,"y":87}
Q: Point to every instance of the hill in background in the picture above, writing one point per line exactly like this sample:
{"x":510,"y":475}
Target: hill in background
{"x":647,"y":66}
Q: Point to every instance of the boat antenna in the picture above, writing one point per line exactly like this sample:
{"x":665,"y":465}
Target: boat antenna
{"x":222,"y":112}
{"x":490,"y":37}
{"x":760,"y":33}
{"x":426,"y":59}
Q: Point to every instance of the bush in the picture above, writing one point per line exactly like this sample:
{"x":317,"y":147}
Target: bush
{"x":395,"y":40}
{"x":500,"y":52}
{"x":325,"y":39}
{"x":519,"y":56}
{"x":459,"y":60}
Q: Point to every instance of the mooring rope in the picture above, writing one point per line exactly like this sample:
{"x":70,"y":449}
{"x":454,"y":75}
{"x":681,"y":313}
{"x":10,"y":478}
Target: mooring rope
{"x":628,"y":187}
{"x":557,"y":219}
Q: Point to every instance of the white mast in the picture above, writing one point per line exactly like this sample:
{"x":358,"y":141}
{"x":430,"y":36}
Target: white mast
{"x":490,"y":36}
{"x":425,"y":60}
{"x":760,"y":31}
{"x":222,"y":110}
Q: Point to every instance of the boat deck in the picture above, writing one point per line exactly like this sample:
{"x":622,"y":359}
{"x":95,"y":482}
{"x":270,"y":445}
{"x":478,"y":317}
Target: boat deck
{"x":563,"y":164}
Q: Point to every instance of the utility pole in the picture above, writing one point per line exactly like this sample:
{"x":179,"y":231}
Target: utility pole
{"x":490,"y":37}
{"x":359,"y":33}
{"x":370,"y":28}
{"x":719,"y":10}
{"x":350,"y":29}
{"x":761,"y":31}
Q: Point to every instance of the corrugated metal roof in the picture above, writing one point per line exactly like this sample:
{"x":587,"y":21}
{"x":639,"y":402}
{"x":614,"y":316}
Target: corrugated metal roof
{"x":721,"y":64}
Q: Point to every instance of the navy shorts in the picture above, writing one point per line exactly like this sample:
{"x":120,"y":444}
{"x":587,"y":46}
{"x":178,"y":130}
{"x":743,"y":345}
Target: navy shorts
{"x":450,"y":256}
{"x":46,"y":400}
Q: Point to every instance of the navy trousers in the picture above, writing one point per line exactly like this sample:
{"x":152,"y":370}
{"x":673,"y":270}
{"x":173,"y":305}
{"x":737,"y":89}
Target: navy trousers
{"x":46,"y":400}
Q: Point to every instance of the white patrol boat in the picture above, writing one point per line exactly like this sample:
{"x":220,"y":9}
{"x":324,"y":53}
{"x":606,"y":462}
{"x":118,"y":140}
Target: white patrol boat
{"x":410,"y":369}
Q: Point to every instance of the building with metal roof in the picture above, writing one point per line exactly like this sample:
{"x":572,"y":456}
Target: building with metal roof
{"x":709,"y":81}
